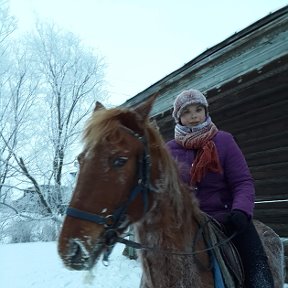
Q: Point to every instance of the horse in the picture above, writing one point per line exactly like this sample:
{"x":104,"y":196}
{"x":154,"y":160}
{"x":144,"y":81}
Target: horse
{"x":127,"y":177}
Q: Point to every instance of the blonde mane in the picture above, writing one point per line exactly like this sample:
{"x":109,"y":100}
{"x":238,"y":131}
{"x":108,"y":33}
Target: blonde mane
{"x":171,"y":179}
{"x":102,"y":125}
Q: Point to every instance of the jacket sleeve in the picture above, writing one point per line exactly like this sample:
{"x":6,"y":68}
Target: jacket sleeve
{"x":239,"y":178}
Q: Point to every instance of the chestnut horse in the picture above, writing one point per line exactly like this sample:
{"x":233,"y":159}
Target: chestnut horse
{"x":127,"y":177}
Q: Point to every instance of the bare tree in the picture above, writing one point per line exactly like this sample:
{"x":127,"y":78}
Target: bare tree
{"x":44,"y":99}
{"x":15,"y":101}
{"x":17,"y":93}
{"x":8,"y":130}
{"x":7,"y":23}
{"x":71,"y":80}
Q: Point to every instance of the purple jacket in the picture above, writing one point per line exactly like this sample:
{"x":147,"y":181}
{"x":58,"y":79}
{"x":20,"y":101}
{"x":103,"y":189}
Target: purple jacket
{"x":218,"y":193}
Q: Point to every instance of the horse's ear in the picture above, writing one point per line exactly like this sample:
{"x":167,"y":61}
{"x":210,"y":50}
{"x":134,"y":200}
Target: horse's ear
{"x":155,"y":125}
{"x":98,"y":106}
{"x":144,"y":108}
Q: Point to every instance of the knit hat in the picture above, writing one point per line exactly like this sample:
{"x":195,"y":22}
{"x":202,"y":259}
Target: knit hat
{"x":188,"y":97}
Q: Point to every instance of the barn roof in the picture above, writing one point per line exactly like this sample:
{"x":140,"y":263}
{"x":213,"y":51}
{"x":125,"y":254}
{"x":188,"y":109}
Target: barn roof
{"x":260,"y":48}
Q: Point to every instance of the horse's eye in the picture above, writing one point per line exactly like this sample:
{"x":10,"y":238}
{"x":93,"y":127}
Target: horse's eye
{"x":119,"y":161}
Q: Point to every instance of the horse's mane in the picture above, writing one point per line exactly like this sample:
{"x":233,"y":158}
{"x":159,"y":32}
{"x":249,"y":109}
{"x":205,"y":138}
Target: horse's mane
{"x":171,"y":182}
{"x":172,"y":188}
{"x":102,"y":125}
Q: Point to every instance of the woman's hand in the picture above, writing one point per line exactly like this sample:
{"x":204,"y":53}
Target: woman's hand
{"x":238,"y":220}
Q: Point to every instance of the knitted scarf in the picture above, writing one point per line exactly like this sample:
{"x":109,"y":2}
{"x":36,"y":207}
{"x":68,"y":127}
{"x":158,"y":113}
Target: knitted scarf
{"x":199,"y":138}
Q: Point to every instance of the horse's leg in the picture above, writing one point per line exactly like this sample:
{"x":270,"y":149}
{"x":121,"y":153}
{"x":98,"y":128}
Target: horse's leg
{"x":274,"y":251}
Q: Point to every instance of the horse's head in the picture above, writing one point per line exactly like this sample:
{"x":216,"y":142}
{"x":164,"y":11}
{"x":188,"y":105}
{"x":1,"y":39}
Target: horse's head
{"x":114,"y":183}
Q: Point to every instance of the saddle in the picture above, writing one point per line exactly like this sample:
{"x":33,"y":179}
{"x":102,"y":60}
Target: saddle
{"x":224,"y":251}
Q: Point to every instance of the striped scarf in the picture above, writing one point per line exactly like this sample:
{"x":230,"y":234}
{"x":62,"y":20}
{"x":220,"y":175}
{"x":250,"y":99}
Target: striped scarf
{"x":199,"y":138}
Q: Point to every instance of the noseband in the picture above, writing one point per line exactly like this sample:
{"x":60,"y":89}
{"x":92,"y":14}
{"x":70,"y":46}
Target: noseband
{"x":117,"y":222}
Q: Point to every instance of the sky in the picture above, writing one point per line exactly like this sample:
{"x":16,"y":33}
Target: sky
{"x":142,"y":41}
{"x":37,"y":265}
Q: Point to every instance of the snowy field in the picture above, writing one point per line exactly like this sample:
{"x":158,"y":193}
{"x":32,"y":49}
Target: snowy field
{"x":37,"y":265}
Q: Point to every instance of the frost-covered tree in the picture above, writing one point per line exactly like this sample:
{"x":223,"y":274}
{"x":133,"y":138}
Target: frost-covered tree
{"x":15,"y":101}
{"x":8,"y":131}
{"x":71,"y":78}
{"x":48,"y":95}
{"x":7,"y":23}
{"x":17,"y":96}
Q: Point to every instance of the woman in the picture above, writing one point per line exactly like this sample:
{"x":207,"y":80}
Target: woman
{"x":212,"y":164}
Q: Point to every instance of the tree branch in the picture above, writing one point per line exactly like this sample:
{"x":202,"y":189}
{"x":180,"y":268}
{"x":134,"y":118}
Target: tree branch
{"x":37,"y":188}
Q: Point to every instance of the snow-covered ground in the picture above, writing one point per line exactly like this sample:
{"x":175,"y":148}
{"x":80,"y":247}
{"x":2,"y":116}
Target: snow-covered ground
{"x":37,"y":265}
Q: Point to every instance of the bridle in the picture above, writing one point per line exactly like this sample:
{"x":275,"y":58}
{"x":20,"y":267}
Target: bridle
{"x":117,"y":222}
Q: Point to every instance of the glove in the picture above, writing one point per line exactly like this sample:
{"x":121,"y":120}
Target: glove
{"x":238,"y":220}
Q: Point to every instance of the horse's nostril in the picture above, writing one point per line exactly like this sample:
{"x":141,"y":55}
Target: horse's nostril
{"x":77,"y":254}
{"x":75,"y":249}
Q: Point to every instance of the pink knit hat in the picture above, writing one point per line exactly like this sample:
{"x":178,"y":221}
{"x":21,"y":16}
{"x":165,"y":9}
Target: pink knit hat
{"x":185,"y":98}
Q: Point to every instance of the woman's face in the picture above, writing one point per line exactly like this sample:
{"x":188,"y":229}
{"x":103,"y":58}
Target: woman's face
{"x":193,"y":115}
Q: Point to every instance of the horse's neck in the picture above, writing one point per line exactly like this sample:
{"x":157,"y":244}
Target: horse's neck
{"x":171,"y":223}
{"x":171,"y":226}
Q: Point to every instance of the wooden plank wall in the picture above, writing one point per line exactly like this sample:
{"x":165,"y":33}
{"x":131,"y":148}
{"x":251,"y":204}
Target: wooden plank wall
{"x":260,"y":126}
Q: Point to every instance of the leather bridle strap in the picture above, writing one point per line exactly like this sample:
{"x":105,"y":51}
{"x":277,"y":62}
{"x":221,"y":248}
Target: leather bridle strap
{"x":137,"y":245}
{"x":83,"y":215}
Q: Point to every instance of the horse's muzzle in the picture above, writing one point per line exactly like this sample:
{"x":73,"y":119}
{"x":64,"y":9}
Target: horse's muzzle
{"x":78,"y":257}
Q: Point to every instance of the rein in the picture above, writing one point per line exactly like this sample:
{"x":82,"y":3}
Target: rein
{"x":139,"y":246}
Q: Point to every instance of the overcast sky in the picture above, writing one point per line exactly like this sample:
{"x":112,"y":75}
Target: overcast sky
{"x":142,"y":41}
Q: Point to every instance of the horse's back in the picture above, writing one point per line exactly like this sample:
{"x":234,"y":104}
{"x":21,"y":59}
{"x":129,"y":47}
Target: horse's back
{"x":275,"y":252}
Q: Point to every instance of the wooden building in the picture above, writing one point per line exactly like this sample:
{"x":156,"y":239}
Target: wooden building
{"x":245,"y":79}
